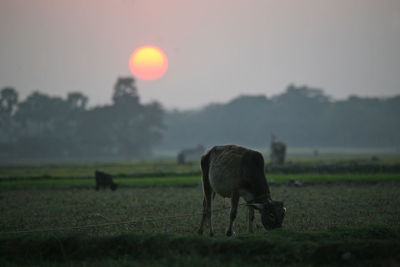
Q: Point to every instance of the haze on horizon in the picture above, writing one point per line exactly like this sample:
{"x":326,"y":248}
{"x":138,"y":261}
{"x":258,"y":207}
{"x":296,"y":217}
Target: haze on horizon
{"x":216,"y":50}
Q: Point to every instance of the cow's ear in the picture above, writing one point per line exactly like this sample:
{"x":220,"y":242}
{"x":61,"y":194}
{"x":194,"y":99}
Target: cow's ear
{"x":258,"y":206}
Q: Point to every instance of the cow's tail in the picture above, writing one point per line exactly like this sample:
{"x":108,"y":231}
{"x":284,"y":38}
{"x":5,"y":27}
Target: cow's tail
{"x":205,"y":169}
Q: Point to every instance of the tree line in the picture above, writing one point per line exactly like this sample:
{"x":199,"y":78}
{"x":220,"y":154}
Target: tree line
{"x":43,"y":126}
{"x":301,"y":117}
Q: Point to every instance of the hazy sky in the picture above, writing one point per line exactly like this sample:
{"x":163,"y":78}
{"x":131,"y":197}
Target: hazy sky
{"x":217,"y":50}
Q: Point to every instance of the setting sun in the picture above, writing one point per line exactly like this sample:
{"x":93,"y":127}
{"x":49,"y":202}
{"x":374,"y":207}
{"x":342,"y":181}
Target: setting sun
{"x":148,"y":63}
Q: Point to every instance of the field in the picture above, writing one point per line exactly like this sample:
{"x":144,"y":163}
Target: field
{"x":51,"y":214}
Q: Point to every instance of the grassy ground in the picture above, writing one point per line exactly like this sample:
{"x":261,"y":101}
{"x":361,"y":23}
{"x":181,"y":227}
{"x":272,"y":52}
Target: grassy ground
{"x":152,"y":168}
{"x":310,"y":208}
{"x":86,"y":169}
{"x":371,"y":246}
{"x":325,"y":224}
{"x":152,"y":220}
{"x":187,"y":180}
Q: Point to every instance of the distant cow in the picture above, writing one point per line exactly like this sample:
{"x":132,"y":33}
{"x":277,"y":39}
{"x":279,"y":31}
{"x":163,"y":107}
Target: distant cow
{"x":104,"y":180}
{"x":190,"y":154}
{"x":233,"y":172}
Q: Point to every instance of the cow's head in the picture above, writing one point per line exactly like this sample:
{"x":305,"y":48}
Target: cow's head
{"x":272,"y":213}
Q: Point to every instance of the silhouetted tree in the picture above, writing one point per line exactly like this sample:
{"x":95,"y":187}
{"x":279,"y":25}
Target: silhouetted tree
{"x":136,"y":126}
{"x":125,"y":92}
{"x":126,"y":128}
{"x":8,"y":101}
{"x":41,"y":121}
{"x":77,"y":101}
{"x":8,"y":106}
{"x":39,"y":112}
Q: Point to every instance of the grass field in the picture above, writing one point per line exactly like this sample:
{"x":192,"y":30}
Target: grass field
{"x":312,"y":208}
{"x":152,"y":220}
{"x":186,"y":180}
{"x":86,"y":169}
{"x":152,"y":168}
{"x":361,"y":246}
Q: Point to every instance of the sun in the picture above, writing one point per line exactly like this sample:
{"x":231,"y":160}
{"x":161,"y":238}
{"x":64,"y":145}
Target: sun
{"x":148,"y":63}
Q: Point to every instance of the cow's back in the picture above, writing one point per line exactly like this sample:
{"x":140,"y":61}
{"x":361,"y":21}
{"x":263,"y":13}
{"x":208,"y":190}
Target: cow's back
{"x":233,"y":168}
{"x":226,"y":168}
{"x":103,"y":178}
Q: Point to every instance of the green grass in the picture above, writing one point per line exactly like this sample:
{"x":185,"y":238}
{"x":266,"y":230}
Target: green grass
{"x":189,"y":180}
{"x":90,"y":182}
{"x":86,"y":169}
{"x":326,"y":224}
{"x":337,"y":177}
{"x":361,"y":245}
{"x":309,"y":208}
{"x":153,"y":168}
{"x":332,"y":158}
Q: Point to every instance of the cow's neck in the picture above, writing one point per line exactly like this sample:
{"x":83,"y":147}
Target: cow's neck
{"x":261,"y":191}
{"x":260,"y":199}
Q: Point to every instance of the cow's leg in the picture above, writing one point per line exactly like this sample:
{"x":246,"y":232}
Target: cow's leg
{"x":207,"y":193}
{"x":206,"y":213}
{"x":234,"y":206}
{"x":209,"y":214}
{"x":251,"y":219}
{"x":203,"y":217}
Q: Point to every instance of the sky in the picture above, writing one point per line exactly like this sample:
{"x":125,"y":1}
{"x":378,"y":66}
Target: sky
{"x":216,"y":50}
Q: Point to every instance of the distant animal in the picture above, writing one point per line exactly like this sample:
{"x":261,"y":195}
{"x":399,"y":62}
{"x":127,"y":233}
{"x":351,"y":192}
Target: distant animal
{"x":104,"y":180}
{"x":232,"y":171}
{"x":278,"y":151}
{"x":190,"y":154}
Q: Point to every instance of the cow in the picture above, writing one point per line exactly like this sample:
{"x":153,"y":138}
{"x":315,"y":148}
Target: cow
{"x":190,"y":154}
{"x":104,"y":180}
{"x":232,"y":172}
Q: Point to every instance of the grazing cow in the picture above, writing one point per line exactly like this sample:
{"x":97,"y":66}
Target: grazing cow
{"x":104,"y":180}
{"x":233,"y":172}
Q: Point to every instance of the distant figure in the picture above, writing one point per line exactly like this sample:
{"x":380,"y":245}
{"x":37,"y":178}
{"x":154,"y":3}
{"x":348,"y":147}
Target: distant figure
{"x":190,"y":154}
{"x":375,"y":158}
{"x":104,"y":180}
{"x":278,"y":151}
{"x":181,"y":158}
